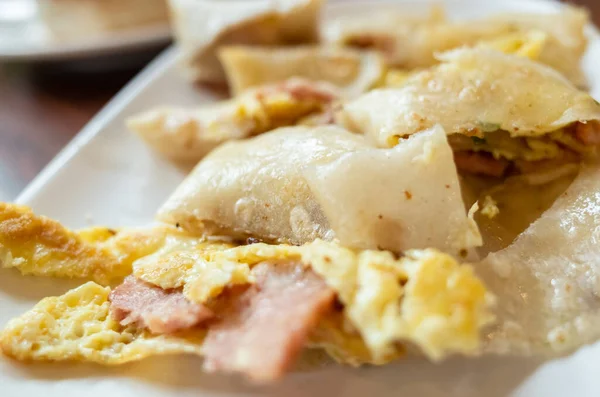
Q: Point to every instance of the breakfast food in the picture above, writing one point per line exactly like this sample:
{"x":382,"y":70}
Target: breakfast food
{"x":503,"y":113}
{"x":73,"y":19}
{"x":220,"y":300}
{"x":297,"y":184}
{"x":202,"y":26}
{"x":187,"y":135}
{"x":407,"y":185}
{"x":354,"y":72}
{"x":411,"y":41}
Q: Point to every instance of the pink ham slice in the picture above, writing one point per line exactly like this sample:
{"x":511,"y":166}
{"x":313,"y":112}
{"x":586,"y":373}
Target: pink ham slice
{"x":262,"y":330}
{"x":588,"y":133}
{"x":480,"y":164}
{"x":301,"y":90}
{"x":160,"y":311}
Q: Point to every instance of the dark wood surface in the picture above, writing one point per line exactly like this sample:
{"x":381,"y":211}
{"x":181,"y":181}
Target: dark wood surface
{"x":43,"y":106}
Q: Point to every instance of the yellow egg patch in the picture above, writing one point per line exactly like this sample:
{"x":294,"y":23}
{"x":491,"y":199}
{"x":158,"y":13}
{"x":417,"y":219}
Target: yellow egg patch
{"x":39,"y":246}
{"x":77,"y":326}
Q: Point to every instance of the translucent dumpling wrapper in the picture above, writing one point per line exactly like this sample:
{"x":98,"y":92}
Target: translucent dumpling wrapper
{"x":352,"y":70}
{"x":370,"y":202}
{"x":505,"y":107}
{"x":391,"y":31}
{"x":411,"y":41}
{"x":257,"y":186}
{"x":202,"y":26}
{"x":547,"y":280}
{"x":520,"y":200}
{"x":287,"y":186}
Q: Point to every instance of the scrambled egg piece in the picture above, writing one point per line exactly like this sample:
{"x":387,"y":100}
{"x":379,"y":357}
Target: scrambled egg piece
{"x":397,"y":77}
{"x":501,"y":145}
{"x":188,"y":268}
{"x":490,"y":207}
{"x":78,"y":326}
{"x":529,"y":44}
{"x":277,"y":110}
{"x":39,"y":246}
{"x":205,"y":272}
{"x":342,"y":342}
{"x":426,"y":297}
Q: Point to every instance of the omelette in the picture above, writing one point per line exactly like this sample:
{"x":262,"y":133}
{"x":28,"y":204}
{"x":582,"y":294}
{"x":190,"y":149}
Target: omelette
{"x":227,"y":302}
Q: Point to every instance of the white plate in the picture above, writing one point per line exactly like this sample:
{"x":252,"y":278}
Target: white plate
{"x":106,"y":176}
{"x":24,"y":37}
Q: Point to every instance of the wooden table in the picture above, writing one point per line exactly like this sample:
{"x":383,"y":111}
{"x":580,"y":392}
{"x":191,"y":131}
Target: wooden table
{"x":42,"y":108}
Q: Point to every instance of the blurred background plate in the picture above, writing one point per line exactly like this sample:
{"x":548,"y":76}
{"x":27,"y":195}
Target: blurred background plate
{"x":25,"y":36}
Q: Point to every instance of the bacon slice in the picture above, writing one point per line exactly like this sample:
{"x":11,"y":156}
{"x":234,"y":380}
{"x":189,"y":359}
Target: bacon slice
{"x":588,"y":133}
{"x":480,"y":164}
{"x":380,"y":42}
{"x":263,"y":329}
{"x":160,"y":311}
{"x":301,"y":90}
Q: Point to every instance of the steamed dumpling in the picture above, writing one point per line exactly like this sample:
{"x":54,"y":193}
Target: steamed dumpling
{"x":297,"y":184}
{"x":256,"y":187}
{"x":202,"y":26}
{"x":498,"y":110}
{"x":411,"y":41}
{"x":353,"y":71}
{"x":185,"y":135}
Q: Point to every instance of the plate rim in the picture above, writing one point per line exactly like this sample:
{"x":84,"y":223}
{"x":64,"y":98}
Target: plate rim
{"x":114,"y":43}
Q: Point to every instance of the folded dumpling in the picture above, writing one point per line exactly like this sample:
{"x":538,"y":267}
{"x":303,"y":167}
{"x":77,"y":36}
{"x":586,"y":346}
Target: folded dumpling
{"x":297,"y":184}
{"x":202,"y":26}
{"x":410,"y":41}
{"x":566,"y":41}
{"x":186,"y":135}
{"x":393,"y":32}
{"x":352,"y":70}
{"x":503,"y":113}
{"x":547,"y":280}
